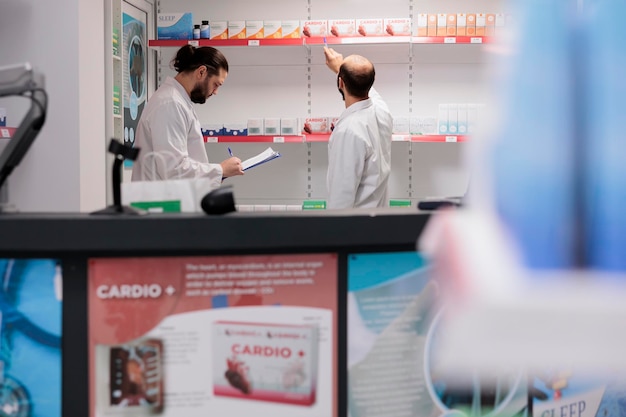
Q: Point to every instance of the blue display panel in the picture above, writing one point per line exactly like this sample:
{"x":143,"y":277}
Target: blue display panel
{"x":30,"y":342}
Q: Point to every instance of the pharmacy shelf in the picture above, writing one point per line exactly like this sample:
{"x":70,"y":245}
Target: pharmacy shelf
{"x":255,"y":139}
{"x":6,"y":132}
{"x":327,"y":40}
{"x":324,"y":138}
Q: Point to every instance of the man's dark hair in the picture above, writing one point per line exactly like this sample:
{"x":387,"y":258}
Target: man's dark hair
{"x":189,"y":58}
{"x":358,"y":83}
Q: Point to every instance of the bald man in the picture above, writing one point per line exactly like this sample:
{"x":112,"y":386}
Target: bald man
{"x":359,"y":149}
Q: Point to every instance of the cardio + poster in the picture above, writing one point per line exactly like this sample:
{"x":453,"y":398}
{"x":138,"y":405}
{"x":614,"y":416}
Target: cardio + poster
{"x":220,"y":335}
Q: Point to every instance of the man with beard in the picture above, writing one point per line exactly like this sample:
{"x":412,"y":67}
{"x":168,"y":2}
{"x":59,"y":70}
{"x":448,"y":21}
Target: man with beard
{"x":359,"y":149}
{"x":169,"y":133}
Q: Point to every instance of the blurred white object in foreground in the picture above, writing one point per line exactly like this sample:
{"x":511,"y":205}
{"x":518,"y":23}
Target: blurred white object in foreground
{"x":499,"y":315}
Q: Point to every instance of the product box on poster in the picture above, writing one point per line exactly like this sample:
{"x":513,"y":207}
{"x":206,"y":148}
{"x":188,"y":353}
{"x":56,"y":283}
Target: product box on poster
{"x":175,"y":26}
{"x":236,"y":29}
{"x":313,"y":28}
{"x":212,"y":129}
{"x":290,"y":29}
{"x":342,"y":27}
{"x":218,"y":29}
{"x":272,"y":29}
{"x":235,"y":129}
{"x":370,"y":27}
{"x":265,"y":362}
{"x":397,"y":27}
{"x":254,"y":29}
{"x":3,"y":116}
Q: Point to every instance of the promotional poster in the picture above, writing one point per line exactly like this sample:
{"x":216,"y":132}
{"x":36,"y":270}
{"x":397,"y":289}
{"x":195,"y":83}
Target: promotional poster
{"x":30,"y":342}
{"x":220,"y":335}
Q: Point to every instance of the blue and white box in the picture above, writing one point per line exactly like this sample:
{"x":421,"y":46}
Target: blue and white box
{"x":3,"y":117}
{"x":175,"y":26}
{"x":236,"y":129}
{"x":212,"y":129}
{"x":443,"y":119}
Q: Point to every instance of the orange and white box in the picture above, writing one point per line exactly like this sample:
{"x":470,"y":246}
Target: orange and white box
{"x":442,"y":20}
{"x":265,"y":361}
{"x":370,"y":27}
{"x":254,"y":29}
{"x":481,"y":21}
{"x":272,"y":29}
{"x":432,"y":24}
{"x":290,"y":29}
{"x":342,"y":27}
{"x":422,"y":25}
{"x":219,"y":29}
{"x":314,"y":28}
{"x":451,"y":24}
{"x":236,"y":29}
{"x":471,"y":24}
{"x":461,"y":24}
{"x":397,"y":27}
{"x":490,"y":24}
{"x":315,"y":125}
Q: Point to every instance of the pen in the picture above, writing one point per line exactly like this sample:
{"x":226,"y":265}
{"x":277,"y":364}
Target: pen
{"x":230,"y":152}
{"x":325,"y":44}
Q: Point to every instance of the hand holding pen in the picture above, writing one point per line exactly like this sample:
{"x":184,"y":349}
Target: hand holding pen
{"x":231,"y":166}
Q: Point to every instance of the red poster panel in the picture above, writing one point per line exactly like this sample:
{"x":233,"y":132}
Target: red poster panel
{"x":221,"y":335}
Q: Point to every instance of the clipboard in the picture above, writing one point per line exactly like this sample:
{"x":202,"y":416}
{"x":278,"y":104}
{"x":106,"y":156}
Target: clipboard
{"x":267,"y":155}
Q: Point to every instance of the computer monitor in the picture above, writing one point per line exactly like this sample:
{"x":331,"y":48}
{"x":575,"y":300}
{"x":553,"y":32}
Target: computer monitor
{"x":22,"y":80}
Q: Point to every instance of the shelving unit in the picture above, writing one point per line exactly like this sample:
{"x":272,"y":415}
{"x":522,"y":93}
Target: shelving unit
{"x":324,"y":138}
{"x":353,"y":40}
{"x":288,"y":78}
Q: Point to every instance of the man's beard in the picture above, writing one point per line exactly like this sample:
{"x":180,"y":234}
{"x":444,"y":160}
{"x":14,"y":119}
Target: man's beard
{"x":198,"y":94}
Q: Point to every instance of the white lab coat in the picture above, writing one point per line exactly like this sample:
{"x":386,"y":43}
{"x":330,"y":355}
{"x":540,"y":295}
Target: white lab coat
{"x":169,"y":127}
{"x":359,"y":155}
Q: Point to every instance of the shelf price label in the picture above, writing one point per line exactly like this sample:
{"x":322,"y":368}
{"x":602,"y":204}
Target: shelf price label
{"x":211,"y":139}
{"x":451,"y":138}
{"x":476,"y":40}
{"x":194,"y":43}
{"x":400,"y":138}
{"x":279,"y":139}
{"x":254,"y":42}
{"x":449,"y":40}
{"x":4,"y":133}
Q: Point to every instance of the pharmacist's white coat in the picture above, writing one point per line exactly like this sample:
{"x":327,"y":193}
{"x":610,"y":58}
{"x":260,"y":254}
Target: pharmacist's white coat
{"x":359,"y":155}
{"x":170,"y":137}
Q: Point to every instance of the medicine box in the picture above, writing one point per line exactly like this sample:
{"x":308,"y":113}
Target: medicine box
{"x":370,"y":27}
{"x":254,"y":29}
{"x":255,"y":127}
{"x":314,"y":28}
{"x":291,"y":29}
{"x":235,"y":129}
{"x":342,"y":27}
{"x":174,"y":26}
{"x":236,"y":29}
{"x":397,"y":27}
{"x":272,"y":29}
{"x":219,"y":29}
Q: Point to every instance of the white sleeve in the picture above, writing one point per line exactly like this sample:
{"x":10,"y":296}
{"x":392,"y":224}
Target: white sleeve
{"x":346,"y":159}
{"x":169,"y":130}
